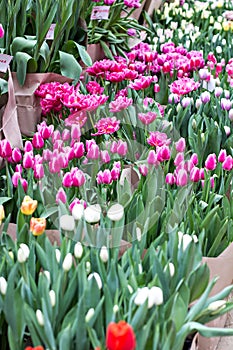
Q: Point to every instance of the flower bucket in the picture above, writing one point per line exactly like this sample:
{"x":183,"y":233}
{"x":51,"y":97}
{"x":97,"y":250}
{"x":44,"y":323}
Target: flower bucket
{"x":220,"y":266}
{"x":194,"y":345}
{"x":25,"y":104}
{"x":96,"y":52}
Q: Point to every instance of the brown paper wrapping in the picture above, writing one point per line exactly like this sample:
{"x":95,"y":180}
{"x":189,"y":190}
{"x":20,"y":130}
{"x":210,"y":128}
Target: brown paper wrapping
{"x":220,"y":266}
{"x":194,"y":345}
{"x":151,"y":6}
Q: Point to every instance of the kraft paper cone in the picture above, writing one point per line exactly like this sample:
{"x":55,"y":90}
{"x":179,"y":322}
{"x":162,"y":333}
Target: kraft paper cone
{"x":28,"y":105}
{"x":194,"y":345}
{"x":96,"y":52}
{"x":220,"y":266}
{"x":10,"y":126}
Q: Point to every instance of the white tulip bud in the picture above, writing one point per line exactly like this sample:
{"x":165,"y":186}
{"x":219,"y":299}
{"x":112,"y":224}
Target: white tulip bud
{"x":130,"y":289}
{"x":89,"y":315}
{"x":104,"y":254}
{"x":23,"y":253}
{"x":77,"y":211}
{"x":58,"y":255}
{"x":217,"y":305}
{"x":11,"y":254}
{"x":3,"y":285}
{"x":115,"y":212}
{"x":67,"y":223}
{"x":140,"y":270}
{"x":67,"y":262}
{"x":115,"y":309}
{"x":97,"y":278}
{"x":52,"y":297}
{"x":88,"y":267}
{"x":141,"y":296}
{"x":155,"y":296}
{"x":47,"y":275}
{"x":186,"y":240}
{"x":40,"y":317}
{"x":138,"y":234}
{"x":92,"y":213}
{"x":78,"y":250}
{"x":171,"y":269}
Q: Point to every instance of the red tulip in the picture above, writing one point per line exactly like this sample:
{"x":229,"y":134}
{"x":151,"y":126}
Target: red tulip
{"x":120,"y":336}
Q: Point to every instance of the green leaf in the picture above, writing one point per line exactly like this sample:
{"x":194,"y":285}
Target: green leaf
{"x":69,"y":66}
{"x":25,"y":63}
{"x":84,"y":55}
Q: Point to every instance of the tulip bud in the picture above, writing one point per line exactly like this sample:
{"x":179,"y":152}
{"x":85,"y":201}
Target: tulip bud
{"x":88,"y":267}
{"x":3,"y":285}
{"x":77,"y":211}
{"x":141,"y":296}
{"x":92,"y":213}
{"x":155,"y":297}
{"x":78,"y":250}
{"x":115,"y":309}
{"x":171,"y":269}
{"x":97,"y":278}
{"x":11,"y":254}
{"x":90,"y":313}
{"x":67,"y":263}
{"x":138,"y":234}
{"x":58,"y":255}
{"x":23,"y":253}
{"x":116,"y":212}
{"x":47,"y":275}
{"x":67,"y":222}
{"x":2,"y":213}
{"x":52,"y":297}
{"x":40,"y":317}
{"x":217,"y":305}
{"x":104,"y":254}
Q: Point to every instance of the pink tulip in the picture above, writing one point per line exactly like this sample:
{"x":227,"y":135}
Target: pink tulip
{"x":228,"y":163}
{"x":28,"y":146}
{"x":56,"y":135}
{"x":37,"y":140}
{"x":5,"y":149}
{"x":222,"y":155}
{"x":105,"y":157}
{"x":210,"y":163}
{"x":179,"y":158}
{"x":205,"y":97}
{"x":116,"y":171}
{"x":195,"y":174}
{"x":163,"y":153}
{"x":78,"y":149}
{"x":170,"y":179}
{"x":152,"y":158}
{"x":113,"y":147}
{"x":15,"y":179}
{"x":75,"y":132}
{"x":104,"y":177}
{"x":78,"y":178}
{"x":67,"y":180}
{"x":16,"y":155}
{"x":180,"y":145}
{"x":230,"y":114}
{"x":218,"y":91}
{"x":194,"y":159}
{"x":28,"y":160}
{"x":18,"y":168}
{"x":47,"y":155}
{"x":24,"y":184}
{"x":39,"y":171}
{"x":122,"y":148}
{"x":45,"y":130}
{"x":182,"y":178}
{"x":1,"y":31}
{"x":93,"y":152}
{"x":143,"y":170}
{"x":65,"y":135}
{"x":61,"y":196}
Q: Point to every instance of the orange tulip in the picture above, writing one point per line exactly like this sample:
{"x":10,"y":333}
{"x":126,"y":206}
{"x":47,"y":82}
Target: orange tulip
{"x":36,"y":348}
{"x":28,"y":205}
{"x":2,"y":213}
{"x":37,"y":226}
{"x":120,"y":336}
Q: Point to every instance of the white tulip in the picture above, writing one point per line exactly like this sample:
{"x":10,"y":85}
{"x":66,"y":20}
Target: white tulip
{"x":67,"y":262}
{"x":3,"y":285}
{"x":23,"y":253}
{"x":115,"y":212}
{"x":130,"y":289}
{"x":104,"y":254}
{"x":140,"y":270}
{"x":52,"y":297}
{"x":47,"y":275}
{"x":58,"y":255}
{"x":40,"y":317}
{"x":155,"y":296}
{"x":171,"y":269}
{"x":89,"y":315}
{"x":78,"y":250}
{"x":92,"y":213}
{"x":88,"y":267}
{"x":97,"y":278}
{"x":141,"y":296}
{"x":217,"y":305}
{"x":11,"y":254}
{"x":67,"y":222}
{"x":77,"y":211}
{"x":138,"y":234}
